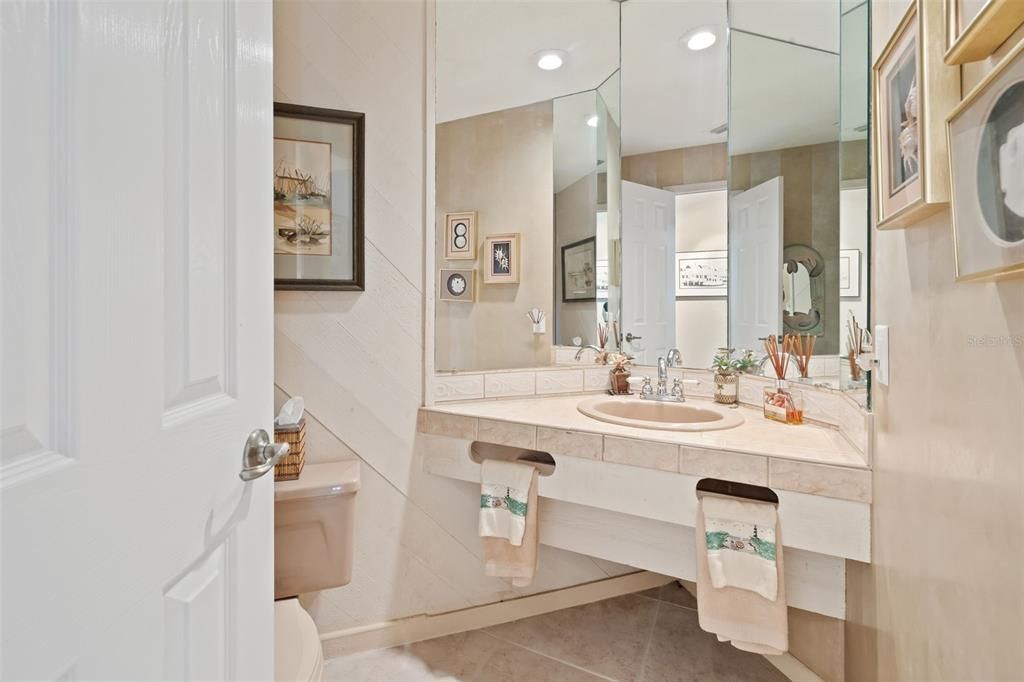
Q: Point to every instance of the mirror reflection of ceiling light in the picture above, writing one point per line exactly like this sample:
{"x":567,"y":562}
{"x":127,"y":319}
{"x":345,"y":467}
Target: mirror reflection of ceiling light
{"x":592,"y":121}
{"x":549,"y":60}
{"x":701,"y":39}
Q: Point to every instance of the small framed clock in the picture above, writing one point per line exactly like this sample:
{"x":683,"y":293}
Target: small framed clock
{"x":458,"y":285}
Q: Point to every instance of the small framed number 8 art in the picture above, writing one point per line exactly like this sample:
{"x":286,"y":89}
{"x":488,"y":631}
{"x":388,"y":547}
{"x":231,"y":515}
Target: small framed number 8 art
{"x":460,"y":236}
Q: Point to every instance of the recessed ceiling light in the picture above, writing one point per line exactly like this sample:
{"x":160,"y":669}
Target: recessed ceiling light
{"x":549,"y":60}
{"x":701,"y":40}
{"x":592,"y":121}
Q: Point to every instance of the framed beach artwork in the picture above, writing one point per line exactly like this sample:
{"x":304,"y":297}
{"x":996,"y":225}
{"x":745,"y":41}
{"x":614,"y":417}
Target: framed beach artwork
{"x":913,"y":92}
{"x":975,"y":28}
{"x":502,"y":254}
{"x":702,"y":273}
{"x":318,"y":198}
{"x":579,"y":270}
{"x":460,"y":236}
{"x":986,"y":153}
{"x":849,"y":273}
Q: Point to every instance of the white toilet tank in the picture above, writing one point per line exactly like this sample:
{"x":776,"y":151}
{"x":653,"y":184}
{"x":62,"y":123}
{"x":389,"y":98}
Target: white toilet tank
{"x":313,"y":522}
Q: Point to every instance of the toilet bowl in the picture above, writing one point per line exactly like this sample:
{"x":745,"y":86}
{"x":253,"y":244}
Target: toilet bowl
{"x":313,"y":522}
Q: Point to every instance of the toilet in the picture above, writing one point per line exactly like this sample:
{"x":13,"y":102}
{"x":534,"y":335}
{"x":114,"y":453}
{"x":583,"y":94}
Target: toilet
{"x":313,"y":521}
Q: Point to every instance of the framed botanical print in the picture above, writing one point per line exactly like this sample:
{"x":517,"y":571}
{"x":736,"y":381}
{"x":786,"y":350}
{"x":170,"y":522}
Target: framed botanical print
{"x":986,"y":153}
{"x":318,"y":198}
{"x":502,"y":254}
{"x":460,"y":236}
{"x":913,"y":92}
{"x":458,"y":285}
{"x":579,"y":270}
{"x":975,"y":28}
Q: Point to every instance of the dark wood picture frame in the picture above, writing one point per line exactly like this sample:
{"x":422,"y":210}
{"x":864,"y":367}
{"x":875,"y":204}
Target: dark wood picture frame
{"x":586,"y":299}
{"x":358,"y":122}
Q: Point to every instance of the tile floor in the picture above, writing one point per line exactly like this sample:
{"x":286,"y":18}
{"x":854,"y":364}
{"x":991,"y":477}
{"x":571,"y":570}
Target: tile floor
{"x":650,"y":636}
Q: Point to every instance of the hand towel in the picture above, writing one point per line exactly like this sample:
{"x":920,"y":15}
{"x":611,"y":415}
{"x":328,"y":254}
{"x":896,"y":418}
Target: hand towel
{"x":504,"y":488}
{"x":740,"y":538}
{"x":502,"y":559}
{"x":740,"y":616}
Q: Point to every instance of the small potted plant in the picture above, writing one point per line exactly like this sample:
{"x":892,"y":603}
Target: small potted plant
{"x":619,"y":373}
{"x":727,"y":375}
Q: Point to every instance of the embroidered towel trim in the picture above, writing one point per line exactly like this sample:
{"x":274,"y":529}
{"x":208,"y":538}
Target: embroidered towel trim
{"x":504,"y":499}
{"x":740,"y":537}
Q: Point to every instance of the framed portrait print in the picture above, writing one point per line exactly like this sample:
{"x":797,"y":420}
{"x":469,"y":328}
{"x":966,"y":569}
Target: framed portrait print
{"x":701,"y":274}
{"x":913,"y":92}
{"x":318,"y":198}
{"x":975,"y":28}
{"x":579,"y":270}
{"x":986,"y":152}
{"x":460,"y":236}
{"x":457,"y":285}
{"x":502,"y":254}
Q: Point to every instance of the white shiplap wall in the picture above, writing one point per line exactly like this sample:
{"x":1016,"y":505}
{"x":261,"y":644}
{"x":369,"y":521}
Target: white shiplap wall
{"x":357,"y":357}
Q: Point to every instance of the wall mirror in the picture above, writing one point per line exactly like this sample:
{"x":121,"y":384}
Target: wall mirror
{"x":692,"y":175}
{"x":526,"y":178}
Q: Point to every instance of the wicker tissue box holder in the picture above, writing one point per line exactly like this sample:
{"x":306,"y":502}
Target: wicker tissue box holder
{"x":289,"y":468}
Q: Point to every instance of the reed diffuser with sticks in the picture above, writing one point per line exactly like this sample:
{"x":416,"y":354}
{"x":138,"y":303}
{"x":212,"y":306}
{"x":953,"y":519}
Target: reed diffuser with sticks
{"x":803,"y":346}
{"x":780,"y":403}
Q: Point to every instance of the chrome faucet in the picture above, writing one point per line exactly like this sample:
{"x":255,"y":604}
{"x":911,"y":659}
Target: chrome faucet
{"x":662,"y":392}
{"x":674,"y":358}
{"x":579,"y":353}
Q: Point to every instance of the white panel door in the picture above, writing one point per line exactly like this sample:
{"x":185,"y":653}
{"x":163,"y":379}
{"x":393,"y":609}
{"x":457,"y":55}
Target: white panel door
{"x":136,"y":351}
{"x":755,"y":265}
{"x":648,"y":261}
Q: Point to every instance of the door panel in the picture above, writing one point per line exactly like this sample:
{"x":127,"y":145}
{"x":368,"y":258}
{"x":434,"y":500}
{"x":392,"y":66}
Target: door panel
{"x":137,"y":339}
{"x":755,"y":265}
{"x":648,"y":255}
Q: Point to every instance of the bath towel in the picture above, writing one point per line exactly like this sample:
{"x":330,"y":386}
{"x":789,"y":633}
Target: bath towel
{"x":501,"y":558}
{"x":504,"y":488}
{"x":737,"y":615}
{"x":740,"y":536}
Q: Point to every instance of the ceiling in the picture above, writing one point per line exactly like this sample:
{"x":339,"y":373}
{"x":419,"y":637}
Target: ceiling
{"x":486,"y":51}
{"x":671,"y":96}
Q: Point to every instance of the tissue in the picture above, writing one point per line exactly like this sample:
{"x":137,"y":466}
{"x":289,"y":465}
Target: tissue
{"x":291,"y":412}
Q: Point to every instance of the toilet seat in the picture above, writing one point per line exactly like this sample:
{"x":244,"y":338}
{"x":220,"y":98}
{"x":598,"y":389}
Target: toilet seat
{"x":298,"y":653}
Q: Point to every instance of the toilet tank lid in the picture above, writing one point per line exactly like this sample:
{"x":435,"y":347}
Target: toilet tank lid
{"x":320,"y":480}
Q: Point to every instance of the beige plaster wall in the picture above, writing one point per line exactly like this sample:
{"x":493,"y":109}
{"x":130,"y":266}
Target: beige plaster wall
{"x":943,"y":597}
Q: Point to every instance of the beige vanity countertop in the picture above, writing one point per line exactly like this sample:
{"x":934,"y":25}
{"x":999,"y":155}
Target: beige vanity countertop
{"x":756,"y":436}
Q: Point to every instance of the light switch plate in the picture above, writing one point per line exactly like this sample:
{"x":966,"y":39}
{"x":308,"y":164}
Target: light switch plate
{"x":882,"y":354}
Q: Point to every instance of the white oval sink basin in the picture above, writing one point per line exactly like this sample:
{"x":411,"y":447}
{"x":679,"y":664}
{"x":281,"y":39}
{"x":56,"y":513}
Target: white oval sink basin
{"x":652,"y":414}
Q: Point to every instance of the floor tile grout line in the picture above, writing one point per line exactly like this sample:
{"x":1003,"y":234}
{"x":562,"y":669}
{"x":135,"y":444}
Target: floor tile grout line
{"x":650,"y":638}
{"x":550,"y":657}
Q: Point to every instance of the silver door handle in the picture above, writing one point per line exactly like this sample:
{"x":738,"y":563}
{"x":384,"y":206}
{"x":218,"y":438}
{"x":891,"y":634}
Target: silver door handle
{"x":630,"y":338}
{"x":260,"y":455}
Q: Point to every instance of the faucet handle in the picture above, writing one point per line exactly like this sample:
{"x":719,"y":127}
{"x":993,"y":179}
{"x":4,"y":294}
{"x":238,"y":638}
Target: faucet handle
{"x":677,"y":388}
{"x":646,"y":388}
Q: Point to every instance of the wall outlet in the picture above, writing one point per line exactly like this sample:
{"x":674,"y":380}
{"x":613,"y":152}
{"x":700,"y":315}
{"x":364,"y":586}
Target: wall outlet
{"x":882,"y":354}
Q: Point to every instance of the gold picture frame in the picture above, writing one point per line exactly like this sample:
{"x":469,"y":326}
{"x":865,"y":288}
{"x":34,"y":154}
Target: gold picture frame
{"x":460,"y":235}
{"x":502,"y":254}
{"x":913,"y":91}
{"x":985,"y":136}
{"x":973,"y":38}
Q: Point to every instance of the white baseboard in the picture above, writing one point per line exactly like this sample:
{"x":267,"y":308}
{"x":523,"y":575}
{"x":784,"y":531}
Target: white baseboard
{"x":428,"y":626}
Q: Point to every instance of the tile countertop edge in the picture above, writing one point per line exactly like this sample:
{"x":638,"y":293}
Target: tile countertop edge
{"x":602,"y":429}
